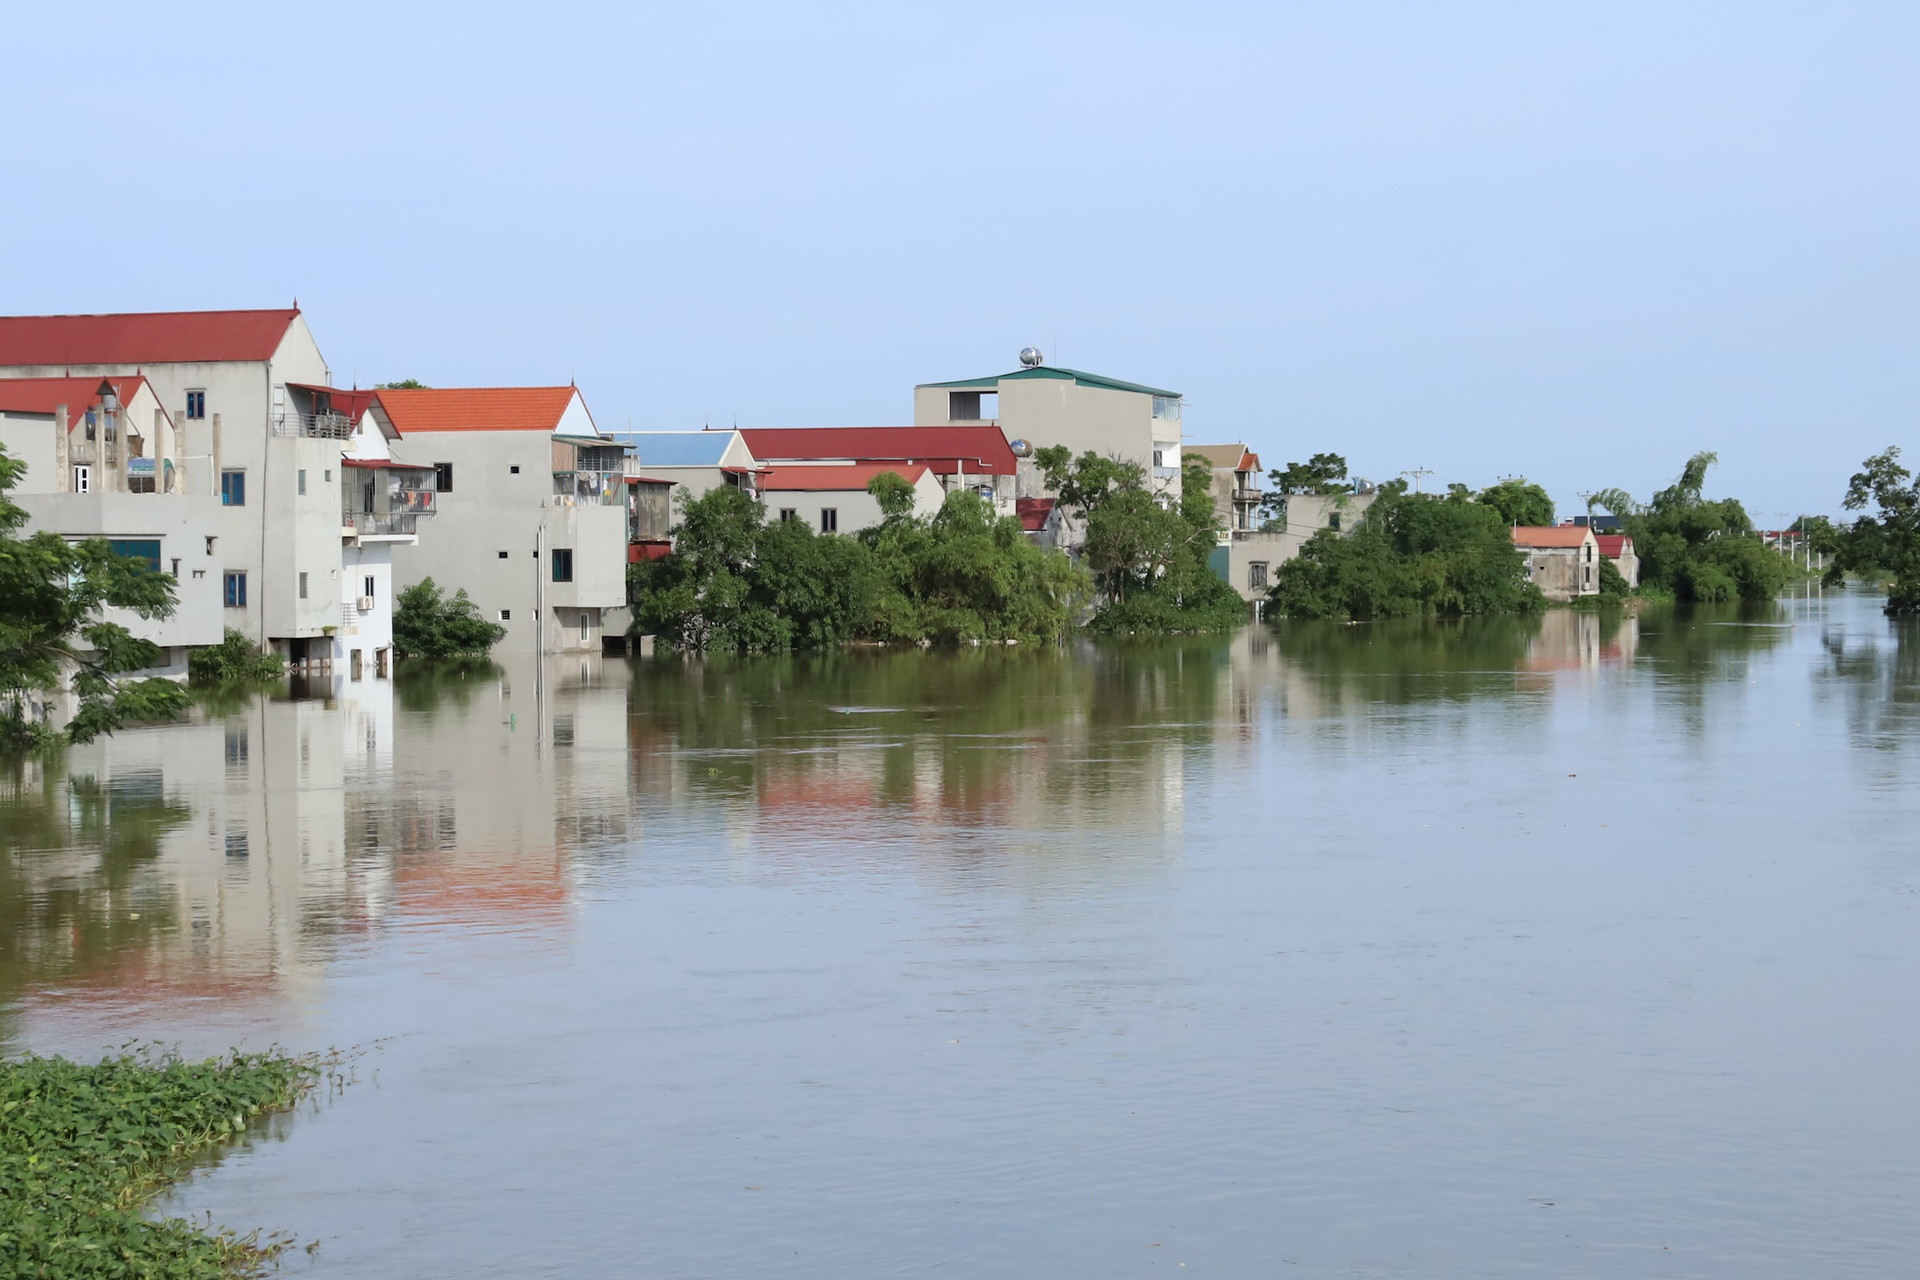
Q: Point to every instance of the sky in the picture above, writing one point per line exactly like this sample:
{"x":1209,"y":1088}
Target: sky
{"x":1575,"y":241}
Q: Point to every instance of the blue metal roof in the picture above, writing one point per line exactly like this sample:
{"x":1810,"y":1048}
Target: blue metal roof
{"x":677,"y":448}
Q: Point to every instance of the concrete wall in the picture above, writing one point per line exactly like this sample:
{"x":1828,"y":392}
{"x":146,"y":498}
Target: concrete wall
{"x":1060,"y":411}
{"x":1563,"y":573}
{"x":370,"y":633}
{"x":857,"y":507}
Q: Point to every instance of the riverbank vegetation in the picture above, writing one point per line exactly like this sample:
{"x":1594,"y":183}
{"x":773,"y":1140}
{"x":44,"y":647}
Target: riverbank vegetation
{"x":739,"y":583}
{"x":53,"y":595}
{"x":1696,"y":548}
{"x":235,"y":659}
{"x":427,"y":623}
{"x":1148,"y":558}
{"x":83,"y":1147}
{"x":1411,"y":555}
{"x":1883,"y":546}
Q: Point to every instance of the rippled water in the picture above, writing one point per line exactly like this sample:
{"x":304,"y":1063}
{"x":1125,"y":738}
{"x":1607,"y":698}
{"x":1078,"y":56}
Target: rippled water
{"x":1564,"y":948}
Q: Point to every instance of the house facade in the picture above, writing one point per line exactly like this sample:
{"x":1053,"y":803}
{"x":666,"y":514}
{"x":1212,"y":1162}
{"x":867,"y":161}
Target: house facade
{"x":234,"y":433}
{"x":1618,"y":547}
{"x":697,"y":461}
{"x":1562,"y":560}
{"x":833,"y":498}
{"x":976,"y":458}
{"x":99,"y":464}
{"x":531,"y":510}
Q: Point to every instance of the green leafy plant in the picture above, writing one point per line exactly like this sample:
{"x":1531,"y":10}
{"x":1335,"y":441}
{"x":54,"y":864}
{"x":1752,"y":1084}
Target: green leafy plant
{"x":52,"y":596}
{"x":234,"y":659}
{"x":429,"y":624}
{"x":1888,"y":540}
{"x":1519,"y":502}
{"x":82,"y":1147}
{"x":1695,"y":548}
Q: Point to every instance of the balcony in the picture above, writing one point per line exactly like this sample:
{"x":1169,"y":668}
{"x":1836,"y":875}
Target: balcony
{"x":366,"y":524}
{"x":1248,"y":495}
{"x":590,"y":488}
{"x":314,"y":426}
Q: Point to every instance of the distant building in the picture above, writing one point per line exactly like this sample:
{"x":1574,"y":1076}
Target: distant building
{"x":102,"y":462}
{"x":1039,"y":520}
{"x":1236,"y":483}
{"x":531,"y":510}
{"x":1046,"y":405}
{"x":698,"y":461}
{"x":833,"y":498}
{"x":1562,"y":560}
{"x":1618,"y":547}
{"x":975,"y":457}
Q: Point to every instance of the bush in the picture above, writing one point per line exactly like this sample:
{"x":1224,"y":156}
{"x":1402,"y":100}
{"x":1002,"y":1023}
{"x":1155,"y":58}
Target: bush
{"x":235,"y":658}
{"x":1693,"y":548}
{"x":427,"y":624}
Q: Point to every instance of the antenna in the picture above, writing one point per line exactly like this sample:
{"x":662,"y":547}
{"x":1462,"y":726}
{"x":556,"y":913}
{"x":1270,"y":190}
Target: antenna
{"x":1418,"y":474}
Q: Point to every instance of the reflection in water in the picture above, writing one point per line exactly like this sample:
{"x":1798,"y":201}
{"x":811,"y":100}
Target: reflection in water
{"x":1232,"y":919}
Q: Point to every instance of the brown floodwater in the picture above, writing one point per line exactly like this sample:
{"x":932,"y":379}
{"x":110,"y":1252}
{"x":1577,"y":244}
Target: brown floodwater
{"x":1565,"y":947}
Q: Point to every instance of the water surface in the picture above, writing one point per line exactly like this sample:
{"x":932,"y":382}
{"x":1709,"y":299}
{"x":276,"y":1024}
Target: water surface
{"x":1570,"y":947}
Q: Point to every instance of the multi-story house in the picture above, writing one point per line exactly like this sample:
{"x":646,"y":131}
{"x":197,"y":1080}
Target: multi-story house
{"x":533,"y":510}
{"x":1044,"y":405}
{"x":228,"y":382}
{"x":382,"y":501}
{"x":697,"y":461}
{"x":100,"y":459}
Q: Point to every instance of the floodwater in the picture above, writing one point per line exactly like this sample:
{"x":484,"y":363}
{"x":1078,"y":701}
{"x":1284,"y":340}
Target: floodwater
{"x":1570,"y":947}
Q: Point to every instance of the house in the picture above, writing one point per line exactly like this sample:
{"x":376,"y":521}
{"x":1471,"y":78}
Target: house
{"x":1618,"y":547}
{"x":102,"y":462}
{"x":1042,"y":405}
{"x":530,"y":507}
{"x":224,"y":379}
{"x":698,"y":461}
{"x":975,"y":457}
{"x":1562,"y":560}
{"x":833,"y":497}
{"x":382,"y":501}
{"x":1039,"y":520}
{"x":1236,"y":483}
{"x":1248,"y":559}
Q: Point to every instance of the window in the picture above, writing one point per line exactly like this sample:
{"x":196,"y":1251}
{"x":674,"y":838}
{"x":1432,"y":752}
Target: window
{"x":1159,"y":458}
{"x":380,"y":662}
{"x":583,"y":626}
{"x":196,"y":405}
{"x":209,"y":546}
{"x":829,"y":519}
{"x":353,"y":664}
{"x":303,"y":586}
{"x":514,"y":470}
{"x":83,"y":479}
{"x":147,"y":549}
{"x":1167,"y":408}
{"x":1257,"y":574}
{"x":300,"y":481}
{"x":366,"y":586}
{"x":327,"y":475}
{"x":443,"y":477}
{"x":236,"y":590}
{"x":963,"y":406}
{"x":506,"y":615}
{"x":233,"y":488}
{"x":563,"y":564}
{"x":789,"y":513}
{"x":503,"y":555}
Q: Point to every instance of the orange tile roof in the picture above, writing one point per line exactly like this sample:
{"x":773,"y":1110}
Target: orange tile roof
{"x":835,"y":478}
{"x":156,"y":337}
{"x":1545,"y":536}
{"x":476,"y":408}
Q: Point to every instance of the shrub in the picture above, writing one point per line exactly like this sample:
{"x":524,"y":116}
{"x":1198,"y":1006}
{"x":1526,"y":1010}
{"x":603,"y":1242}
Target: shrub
{"x":235,"y":658}
{"x":429,"y":624}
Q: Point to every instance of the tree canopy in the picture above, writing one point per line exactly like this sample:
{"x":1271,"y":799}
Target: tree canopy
{"x":1323,"y":473}
{"x":1696,"y":548}
{"x":1411,"y":555}
{"x":429,"y":624}
{"x":53,"y":594}
{"x":1519,"y":502}
{"x":1888,"y":539}
{"x":1148,"y":557}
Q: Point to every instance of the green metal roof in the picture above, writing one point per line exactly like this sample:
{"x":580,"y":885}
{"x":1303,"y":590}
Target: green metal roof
{"x":1054,"y":371}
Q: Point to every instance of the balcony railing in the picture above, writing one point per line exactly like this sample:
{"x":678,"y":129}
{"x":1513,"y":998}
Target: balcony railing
{"x":602,"y":488}
{"x":367,"y":524}
{"x":314,"y":426}
{"x":1248,"y":495}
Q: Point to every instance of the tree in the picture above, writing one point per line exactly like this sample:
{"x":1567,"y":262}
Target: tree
{"x":52,"y":596}
{"x":1323,"y":473}
{"x":1149,"y":556}
{"x":1695,"y":548}
{"x":405,"y":384}
{"x":1411,"y":555}
{"x":1519,"y":502}
{"x":427,"y":624}
{"x":1890,"y":538}
{"x":235,"y":658}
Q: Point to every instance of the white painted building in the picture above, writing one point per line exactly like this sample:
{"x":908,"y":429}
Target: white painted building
{"x":833,"y":498}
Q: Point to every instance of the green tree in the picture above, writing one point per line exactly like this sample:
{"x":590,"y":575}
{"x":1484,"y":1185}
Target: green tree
{"x":429,"y":624}
{"x":1888,"y":539}
{"x":1323,"y":473}
{"x":52,"y":596}
{"x":234,"y":658}
{"x":1519,"y":502}
{"x":1695,"y":548}
{"x":1411,"y":555}
{"x":405,"y":384}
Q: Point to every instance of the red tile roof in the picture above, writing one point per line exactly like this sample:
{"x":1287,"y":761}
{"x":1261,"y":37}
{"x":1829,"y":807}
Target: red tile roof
{"x":1033,"y":512}
{"x":834,"y":478}
{"x":1613,"y":545}
{"x":476,"y":408}
{"x":44,"y":395}
{"x":1544,"y":536}
{"x":155,"y":337}
{"x":352,"y":403}
{"x":979,"y":450}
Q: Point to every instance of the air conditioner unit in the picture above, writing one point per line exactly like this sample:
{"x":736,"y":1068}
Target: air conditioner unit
{"x":365,"y":604}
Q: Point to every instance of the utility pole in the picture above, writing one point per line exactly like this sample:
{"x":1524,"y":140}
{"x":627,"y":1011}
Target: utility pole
{"x":1418,"y":474}
{"x":1586,"y":496}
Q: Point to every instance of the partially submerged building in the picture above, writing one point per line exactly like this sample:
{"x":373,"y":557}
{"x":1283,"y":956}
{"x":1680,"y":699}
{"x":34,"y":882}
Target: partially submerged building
{"x":1562,"y":560}
{"x":834,"y":498}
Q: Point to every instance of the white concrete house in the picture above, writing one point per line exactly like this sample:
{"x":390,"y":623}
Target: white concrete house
{"x":101,"y":463}
{"x":833,"y":498}
{"x":224,"y":379}
{"x":531,"y":509}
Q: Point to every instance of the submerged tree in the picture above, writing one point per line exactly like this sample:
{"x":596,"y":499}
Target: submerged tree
{"x":428,"y":624}
{"x":53,"y":594}
{"x":1696,"y":548}
{"x":1148,"y":555}
{"x":1889,"y":539}
{"x":1411,"y":555}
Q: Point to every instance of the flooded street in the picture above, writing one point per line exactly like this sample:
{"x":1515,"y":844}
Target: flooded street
{"x":1565,"y":947}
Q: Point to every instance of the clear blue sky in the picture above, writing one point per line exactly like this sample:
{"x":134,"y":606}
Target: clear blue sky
{"x":1576,"y":241}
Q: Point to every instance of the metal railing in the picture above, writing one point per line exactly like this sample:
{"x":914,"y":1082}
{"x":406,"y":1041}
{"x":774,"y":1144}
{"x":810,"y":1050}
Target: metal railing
{"x":366,"y":523}
{"x":605,"y":488}
{"x":314,"y":426}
